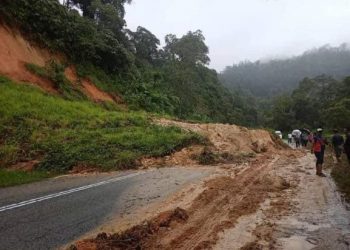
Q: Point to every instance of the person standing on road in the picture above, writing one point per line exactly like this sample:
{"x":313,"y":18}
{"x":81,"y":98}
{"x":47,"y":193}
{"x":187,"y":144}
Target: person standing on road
{"x":296,"y":136}
{"x":318,"y":148}
{"x":337,"y":143}
{"x":347,"y":145}
{"x":297,"y":141}
{"x":289,"y":138}
{"x":304,"y":139}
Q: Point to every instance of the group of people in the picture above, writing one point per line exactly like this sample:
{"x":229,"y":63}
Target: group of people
{"x":300,"y":138}
{"x":339,"y":144}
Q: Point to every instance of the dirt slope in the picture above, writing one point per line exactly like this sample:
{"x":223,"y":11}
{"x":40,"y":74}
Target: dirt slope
{"x":16,"y":52}
{"x":89,"y":88}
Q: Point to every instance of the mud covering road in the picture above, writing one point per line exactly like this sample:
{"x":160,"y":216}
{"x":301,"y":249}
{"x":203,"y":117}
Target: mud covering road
{"x":46,"y":216}
{"x":274,"y":202}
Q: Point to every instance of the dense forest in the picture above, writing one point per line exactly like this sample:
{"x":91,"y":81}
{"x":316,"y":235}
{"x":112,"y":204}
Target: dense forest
{"x":173,"y":79}
{"x":274,"y":77}
{"x":318,"y":102}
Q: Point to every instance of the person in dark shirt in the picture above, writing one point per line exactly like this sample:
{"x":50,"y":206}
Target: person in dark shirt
{"x":347,"y":144}
{"x":337,"y":143}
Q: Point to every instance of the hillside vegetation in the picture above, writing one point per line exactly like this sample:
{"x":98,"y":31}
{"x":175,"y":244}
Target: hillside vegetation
{"x":63,"y":134}
{"x":173,"y":80}
{"x":281,"y":76}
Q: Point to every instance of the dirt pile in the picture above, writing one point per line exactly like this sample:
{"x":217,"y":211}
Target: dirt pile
{"x":229,"y":138}
{"x":227,"y":144}
{"x":137,"y":236}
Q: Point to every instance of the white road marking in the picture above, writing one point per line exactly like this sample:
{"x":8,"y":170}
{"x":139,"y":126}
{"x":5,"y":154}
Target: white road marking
{"x":70,"y":191}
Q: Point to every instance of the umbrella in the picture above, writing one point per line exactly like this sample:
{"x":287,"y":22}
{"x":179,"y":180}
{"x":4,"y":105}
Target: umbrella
{"x":305,"y":130}
{"x":296,"y":132}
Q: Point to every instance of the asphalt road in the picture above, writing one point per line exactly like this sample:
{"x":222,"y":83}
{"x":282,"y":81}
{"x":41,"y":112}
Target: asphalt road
{"x":52,"y":213}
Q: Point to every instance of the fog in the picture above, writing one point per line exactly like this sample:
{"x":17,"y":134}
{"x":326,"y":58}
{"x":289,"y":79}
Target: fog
{"x":238,"y":30}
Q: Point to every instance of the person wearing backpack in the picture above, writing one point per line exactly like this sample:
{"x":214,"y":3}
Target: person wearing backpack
{"x":318,"y":148}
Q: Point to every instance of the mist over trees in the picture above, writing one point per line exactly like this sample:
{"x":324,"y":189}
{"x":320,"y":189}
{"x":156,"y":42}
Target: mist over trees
{"x":271,"y":78}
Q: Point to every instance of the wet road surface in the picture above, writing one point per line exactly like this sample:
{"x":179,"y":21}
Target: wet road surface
{"x":52,"y":213}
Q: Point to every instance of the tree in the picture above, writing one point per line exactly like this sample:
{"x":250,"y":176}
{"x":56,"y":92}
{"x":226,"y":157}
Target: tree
{"x":282,"y":113}
{"x":89,"y":10}
{"x":189,"y":49}
{"x":145,"y":44}
{"x":337,"y":116}
{"x":106,"y":16}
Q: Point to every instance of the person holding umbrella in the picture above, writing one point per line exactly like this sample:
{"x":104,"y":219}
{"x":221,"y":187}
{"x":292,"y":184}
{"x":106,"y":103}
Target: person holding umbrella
{"x":296,"y":133}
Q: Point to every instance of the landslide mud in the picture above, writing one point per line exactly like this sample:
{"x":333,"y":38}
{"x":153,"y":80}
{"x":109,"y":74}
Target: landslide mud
{"x":230,"y":138}
{"x":225,"y":199}
{"x":227,"y":144}
{"x":310,"y":215}
{"x":274,"y":201}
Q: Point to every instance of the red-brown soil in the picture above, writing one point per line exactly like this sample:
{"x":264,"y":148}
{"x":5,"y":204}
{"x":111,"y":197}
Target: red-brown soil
{"x":89,"y":89}
{"x":16,"y":52}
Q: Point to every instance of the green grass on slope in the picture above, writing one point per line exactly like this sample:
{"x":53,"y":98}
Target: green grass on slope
{"x":11,"y":178}
{"x":63,"y":134}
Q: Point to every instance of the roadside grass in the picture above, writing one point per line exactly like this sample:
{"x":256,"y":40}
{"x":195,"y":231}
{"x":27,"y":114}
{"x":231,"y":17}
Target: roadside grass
{"x":67,"y":133}
{"x":12,"y":178}
{"x":341,"y":175}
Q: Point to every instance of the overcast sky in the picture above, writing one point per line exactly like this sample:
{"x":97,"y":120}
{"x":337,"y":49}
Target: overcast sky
{"x":238,"y":30}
